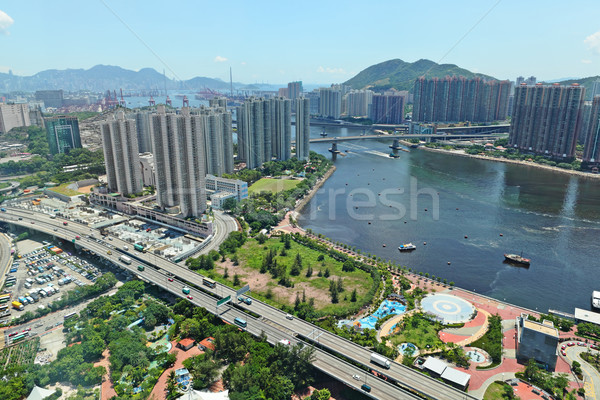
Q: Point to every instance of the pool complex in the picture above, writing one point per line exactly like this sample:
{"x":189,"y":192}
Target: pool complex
{"x":386,"y":308}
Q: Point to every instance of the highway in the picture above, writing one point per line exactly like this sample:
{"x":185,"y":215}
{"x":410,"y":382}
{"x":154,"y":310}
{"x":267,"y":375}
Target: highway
{"x":272,"y":321}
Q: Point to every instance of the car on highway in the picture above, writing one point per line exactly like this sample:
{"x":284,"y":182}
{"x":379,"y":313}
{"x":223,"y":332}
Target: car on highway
{"x":246,"y":300}
{"x":289,"y":316}
{"x":190,"y":298}
{"x":366,"y":387}
{"x":33,"y":222}
{"x":170,"y":279}
{"x":356,"y":377}
{"x":109,"y":252}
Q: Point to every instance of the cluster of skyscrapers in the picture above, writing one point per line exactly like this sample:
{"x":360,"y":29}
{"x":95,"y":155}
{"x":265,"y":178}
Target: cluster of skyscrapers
{"x":265,"y":130}
{"x":549,"y":120}
{"x":175,"y":151}
{"x":453,"y":99}
{"x":185,"y":147}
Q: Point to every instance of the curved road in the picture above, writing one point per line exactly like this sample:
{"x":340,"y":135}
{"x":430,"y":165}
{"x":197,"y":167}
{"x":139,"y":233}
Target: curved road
{"x":591,"y":377}
{"x":5,"y":261}
{"x":271,"y":320}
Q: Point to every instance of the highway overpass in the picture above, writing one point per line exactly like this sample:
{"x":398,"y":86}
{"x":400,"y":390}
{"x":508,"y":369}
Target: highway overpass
{"x":270,"y":320}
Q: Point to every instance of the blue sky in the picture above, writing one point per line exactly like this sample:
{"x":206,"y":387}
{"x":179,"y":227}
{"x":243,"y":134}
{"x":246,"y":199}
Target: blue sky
{"x":313,"y":41}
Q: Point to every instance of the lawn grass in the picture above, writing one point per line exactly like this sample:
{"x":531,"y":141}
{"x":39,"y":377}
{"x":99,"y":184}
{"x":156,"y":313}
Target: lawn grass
{"x":63,"y":189}
{"x":494,"y":392}
{"x":272,"y":185}
{"x":425,"y":333}
{"x":251,"y":257}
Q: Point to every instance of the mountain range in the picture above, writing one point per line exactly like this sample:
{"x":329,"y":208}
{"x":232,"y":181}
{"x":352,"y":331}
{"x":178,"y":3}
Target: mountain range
{"x":395,"y":74}
{"x":104,"y":77}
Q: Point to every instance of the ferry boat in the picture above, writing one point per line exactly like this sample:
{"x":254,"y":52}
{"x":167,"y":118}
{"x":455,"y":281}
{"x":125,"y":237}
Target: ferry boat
{"x":596,"y":300}
{"x":517,"y":259}
{"x":407,"y":247}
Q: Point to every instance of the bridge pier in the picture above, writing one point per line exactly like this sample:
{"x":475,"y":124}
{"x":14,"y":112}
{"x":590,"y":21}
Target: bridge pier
{"x":334,"y":151}
{"x":395,"y":145}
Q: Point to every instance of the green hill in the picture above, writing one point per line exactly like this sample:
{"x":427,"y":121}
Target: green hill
{"x":401,"y":75}
{"x":585,"y":82}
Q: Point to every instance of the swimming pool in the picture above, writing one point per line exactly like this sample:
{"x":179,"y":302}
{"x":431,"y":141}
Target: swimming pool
{"x":386,"y":308}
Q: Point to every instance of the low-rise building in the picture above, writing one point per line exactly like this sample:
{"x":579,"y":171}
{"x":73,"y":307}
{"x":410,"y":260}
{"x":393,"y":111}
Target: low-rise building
{"x":236,"y":186}
{"x":452,"y":376}
{"x":186,"y":344}
{"x":538,"y":341}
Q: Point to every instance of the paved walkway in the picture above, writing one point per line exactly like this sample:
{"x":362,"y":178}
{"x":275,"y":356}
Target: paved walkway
{"x":467,"y":335}
{"x":159,"y":389}
{"x":107,"y":389}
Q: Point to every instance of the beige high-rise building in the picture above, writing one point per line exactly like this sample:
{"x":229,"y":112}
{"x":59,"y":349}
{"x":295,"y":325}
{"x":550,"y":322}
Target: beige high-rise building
{"x":13,"y":116}
{"x":178,"y":145}
{"x":121,"y":157}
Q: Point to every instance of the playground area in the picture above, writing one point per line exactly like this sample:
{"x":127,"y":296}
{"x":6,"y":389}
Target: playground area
{"x":447,"y":308}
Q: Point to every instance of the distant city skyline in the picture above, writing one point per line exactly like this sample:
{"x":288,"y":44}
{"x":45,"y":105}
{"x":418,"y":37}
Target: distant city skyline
{"x":317,"y":42}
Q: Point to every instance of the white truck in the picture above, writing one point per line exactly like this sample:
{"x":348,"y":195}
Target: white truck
{"x":125,"y":260}
{"x":380,"y":360}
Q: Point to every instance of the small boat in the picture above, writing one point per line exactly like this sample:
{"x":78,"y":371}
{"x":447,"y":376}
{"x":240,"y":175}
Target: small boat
{"x":392,"y":155}
{"x":407,"y":247}
{"x":517,"y":259}
{"x":323,"y":133}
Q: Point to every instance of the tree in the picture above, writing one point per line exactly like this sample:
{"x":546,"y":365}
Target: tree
{"x":326,"y":274}
{"x":296,"y":266}
{"x":225,"y":273}
{"x":309,"y":271}
{"x":348,"y":266}
{"x":261,"y":238}
{"x":322,"y":394}
{"x":171,"y":388}
{"x":340,"y":284}
{"x":353,"y":296}
{"x":229,"y":204}
{"x":236,"y":280}
{"x":321,"y":257}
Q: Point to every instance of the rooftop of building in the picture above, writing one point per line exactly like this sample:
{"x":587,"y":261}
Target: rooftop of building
{"x":587,"y":316}
{"x":544,"y":328}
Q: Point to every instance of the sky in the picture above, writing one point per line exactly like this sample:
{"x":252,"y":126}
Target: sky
{"x":318,"y":42}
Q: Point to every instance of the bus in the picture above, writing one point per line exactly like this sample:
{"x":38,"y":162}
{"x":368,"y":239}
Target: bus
{"x":3,"y":308}
{"x":125,"y":260}
{"x":139,"y":247}
{"x":209,"y":282}
{"x":18,"y":338}
{"x":240,"y":322}
{"x":70,"y":315}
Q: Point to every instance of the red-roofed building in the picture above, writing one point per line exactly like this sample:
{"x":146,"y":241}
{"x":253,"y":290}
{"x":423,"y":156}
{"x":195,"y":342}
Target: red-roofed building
{"x":186,"y":344}
{"x":208,"y":343}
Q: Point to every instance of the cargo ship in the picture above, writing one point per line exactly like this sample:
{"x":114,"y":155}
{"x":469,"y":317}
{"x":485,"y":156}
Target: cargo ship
{"x":517,"y":259}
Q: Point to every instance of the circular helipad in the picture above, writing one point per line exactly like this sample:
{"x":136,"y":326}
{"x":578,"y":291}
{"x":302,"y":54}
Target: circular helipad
{"x":449,"y":309}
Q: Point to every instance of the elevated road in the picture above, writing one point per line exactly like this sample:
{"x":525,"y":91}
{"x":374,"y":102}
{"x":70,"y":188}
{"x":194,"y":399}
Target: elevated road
{"x":272,"y":321}
{"x":407,"y":136}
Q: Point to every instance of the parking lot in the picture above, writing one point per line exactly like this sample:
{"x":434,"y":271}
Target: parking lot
{"x":39,"y":276}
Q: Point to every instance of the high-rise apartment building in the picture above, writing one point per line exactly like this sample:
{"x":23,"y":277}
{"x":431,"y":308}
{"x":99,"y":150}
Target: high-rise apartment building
{"x":330,"y":105}
{"x":315,"y":101}
{"x":51,"y":98}
{"x":387,"y":109}
{"x":595,"y":89}
{"x":294,"y":90}
{"x":62,"y":133}
{"x":358,"y":103}
{"x":13,"y":116}
{"x":264,"y":130}
{"x":454,"y":99}
{"x":218,"y":140}
{"x":547,"y":119}
{"x":121,"y":155}
{"x":178,"y":148}
{"x":142,"y":126}
{"x":302,"y":128}
{"x":591,"y":150}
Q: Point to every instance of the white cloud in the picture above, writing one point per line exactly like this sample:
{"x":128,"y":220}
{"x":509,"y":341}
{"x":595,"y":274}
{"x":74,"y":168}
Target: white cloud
{"x":331,"y":70}
{"x":586,"y":61}
{"x":5,"y":22}
{"x":243,"y":63}
{"x":593,"y":42}
{"x":220,"y":59}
